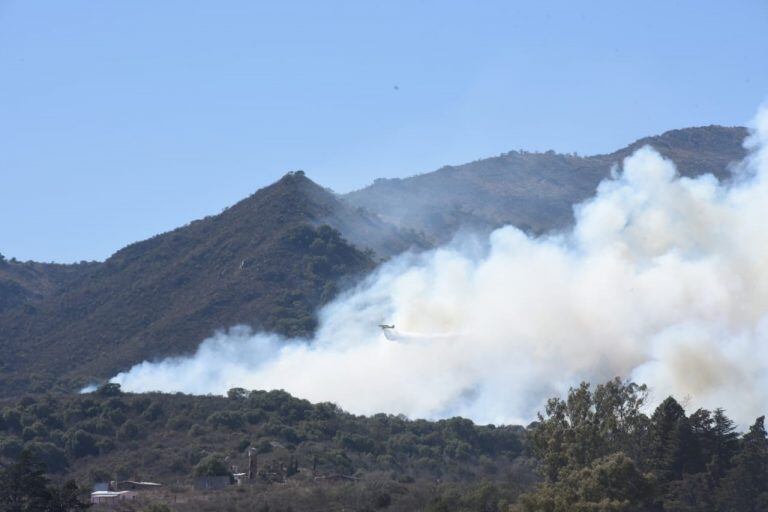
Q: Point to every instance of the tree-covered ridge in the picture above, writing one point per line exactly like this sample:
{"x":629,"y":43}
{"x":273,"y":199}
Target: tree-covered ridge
{"x":269,"y":261}
{"x":115,"y":435}
{"x":530,"y":190}
{"x":597,"y":450}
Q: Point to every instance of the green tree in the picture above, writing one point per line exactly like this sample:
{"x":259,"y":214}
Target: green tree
{"x":609,"y":484}
{"x":212,"y":465}
{"x":692,"y":493}
{"x":672,"y":444}
{"x":745,"y":486}
{"x":237,"y":394}
{"x":587,"y":426}
{"x":24,"y":488}
{"x":80,"y":443}
{"x":65,"y":499}
{"x":109,"y":389}
{"x":53,"y":457}
{"x":725,"y":445}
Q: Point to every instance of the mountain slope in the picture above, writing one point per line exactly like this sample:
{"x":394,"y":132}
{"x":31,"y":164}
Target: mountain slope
{"x":269,"y":261}
{"x":534,"y":191}
{"x":272,"y":259}
{"x":30,"y":282}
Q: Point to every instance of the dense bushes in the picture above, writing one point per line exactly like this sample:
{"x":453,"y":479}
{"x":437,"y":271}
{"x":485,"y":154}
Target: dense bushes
{"x":212,"y":465}
{"x":597,"y":450}
{"x":24,"y":488}
{"x":166,"y":436}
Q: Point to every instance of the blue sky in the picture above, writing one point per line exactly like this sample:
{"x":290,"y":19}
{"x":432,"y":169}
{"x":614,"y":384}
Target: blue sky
{"x":119,"y":120}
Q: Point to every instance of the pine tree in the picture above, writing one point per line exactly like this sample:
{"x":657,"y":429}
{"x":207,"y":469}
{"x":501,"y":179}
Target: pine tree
{"x":23,"y":486}
{"x":673,"y":447}
{"x":725,"y":444}
{"x":745,"y":486}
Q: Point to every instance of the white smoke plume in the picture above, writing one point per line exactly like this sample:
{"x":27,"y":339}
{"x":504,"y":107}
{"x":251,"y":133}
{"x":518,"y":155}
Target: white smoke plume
{"x":663,"y":280}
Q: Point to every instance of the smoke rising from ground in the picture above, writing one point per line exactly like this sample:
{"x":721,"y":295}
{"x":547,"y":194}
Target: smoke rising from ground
{"x":663,"y":280}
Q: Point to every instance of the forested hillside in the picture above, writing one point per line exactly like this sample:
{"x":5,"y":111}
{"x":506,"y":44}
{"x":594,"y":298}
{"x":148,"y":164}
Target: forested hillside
{"x":29,"y":283}
{"x":272,"y":259}
{"x":269,"y":262}
{"x":534,"y":191}
{"x":594,"y":450}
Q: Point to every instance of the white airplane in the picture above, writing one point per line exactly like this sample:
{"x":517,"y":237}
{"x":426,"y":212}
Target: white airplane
{"x":392,"y":335}
{"x":389,"y":332}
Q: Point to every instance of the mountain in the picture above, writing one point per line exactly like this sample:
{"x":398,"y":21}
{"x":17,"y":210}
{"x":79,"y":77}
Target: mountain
{"x":269,"y":261}
{"x":30,"y":282}
{"x":272,"y":259}
{"x":534,"y":191}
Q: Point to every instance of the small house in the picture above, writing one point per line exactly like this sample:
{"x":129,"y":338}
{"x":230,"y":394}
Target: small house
{"x":111,"y":496}
{"x":131,"y":485}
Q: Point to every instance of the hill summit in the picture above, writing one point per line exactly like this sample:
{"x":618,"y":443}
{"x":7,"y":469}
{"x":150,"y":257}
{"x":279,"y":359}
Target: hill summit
{"x":271,"y":260}
{"x":268,"y":261}
{"x":534,"y":191}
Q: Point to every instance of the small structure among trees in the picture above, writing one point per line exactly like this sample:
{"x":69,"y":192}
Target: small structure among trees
{"x":212,"y":473}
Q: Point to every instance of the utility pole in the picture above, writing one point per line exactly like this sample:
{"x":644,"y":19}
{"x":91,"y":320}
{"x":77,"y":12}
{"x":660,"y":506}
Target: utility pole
{"x":252,"y":463}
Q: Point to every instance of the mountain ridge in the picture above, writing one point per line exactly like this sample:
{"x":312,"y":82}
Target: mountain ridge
{"x":534,"y":191}
{"x":272,"y":259}
{"x":268,"y":261}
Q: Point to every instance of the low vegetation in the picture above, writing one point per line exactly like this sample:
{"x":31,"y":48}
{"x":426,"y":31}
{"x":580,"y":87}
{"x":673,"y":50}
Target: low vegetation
{"x":595,"y":450}
{"x":110,"y":435}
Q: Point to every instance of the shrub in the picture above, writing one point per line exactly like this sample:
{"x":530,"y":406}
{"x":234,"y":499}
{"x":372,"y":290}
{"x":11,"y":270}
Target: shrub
{"x":10,"y":447}
{"x":12,"y":419}
{"x":128,"y":432}
{"x":157,"y":507}
{"x":109,"y":389}
{"x":80,"y":443}
{"x":153,"y":413}
{"x":232,"y":420}
{"x":52,"y":456}
{"x":212,"y":465}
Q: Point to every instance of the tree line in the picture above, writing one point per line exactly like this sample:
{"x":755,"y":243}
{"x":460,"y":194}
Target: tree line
{"x":599,"y":452}
{"x":597,"y":449}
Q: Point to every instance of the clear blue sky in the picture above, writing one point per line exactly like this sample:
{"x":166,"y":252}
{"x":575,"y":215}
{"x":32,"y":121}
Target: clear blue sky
{"x":122,"y":119}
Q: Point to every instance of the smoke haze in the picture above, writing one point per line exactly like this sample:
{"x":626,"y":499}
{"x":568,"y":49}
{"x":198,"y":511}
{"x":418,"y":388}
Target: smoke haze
{"x":663,"y":280}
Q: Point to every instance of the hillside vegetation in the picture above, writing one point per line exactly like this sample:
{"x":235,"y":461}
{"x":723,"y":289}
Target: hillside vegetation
{"x":269,"y":262}
{"x":534,"y":191}
{"x":594,"y":450}
{"x":30,"y":283}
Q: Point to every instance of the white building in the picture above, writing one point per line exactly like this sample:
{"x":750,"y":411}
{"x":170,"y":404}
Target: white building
{"x":111,"y":496}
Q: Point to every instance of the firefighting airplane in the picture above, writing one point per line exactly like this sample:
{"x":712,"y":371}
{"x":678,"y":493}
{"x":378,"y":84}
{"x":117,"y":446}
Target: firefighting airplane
{"x":392,"y":335}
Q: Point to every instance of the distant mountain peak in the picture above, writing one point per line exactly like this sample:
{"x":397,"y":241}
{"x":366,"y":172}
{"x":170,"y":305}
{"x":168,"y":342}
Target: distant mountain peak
{"x":534,"y":191}
{"x":273,"y":258}
{"x":269,"y":261}
{"x":695,"y":138}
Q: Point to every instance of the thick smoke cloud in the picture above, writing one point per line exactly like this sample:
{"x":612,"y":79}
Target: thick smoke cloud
{"x":663,"y":280}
